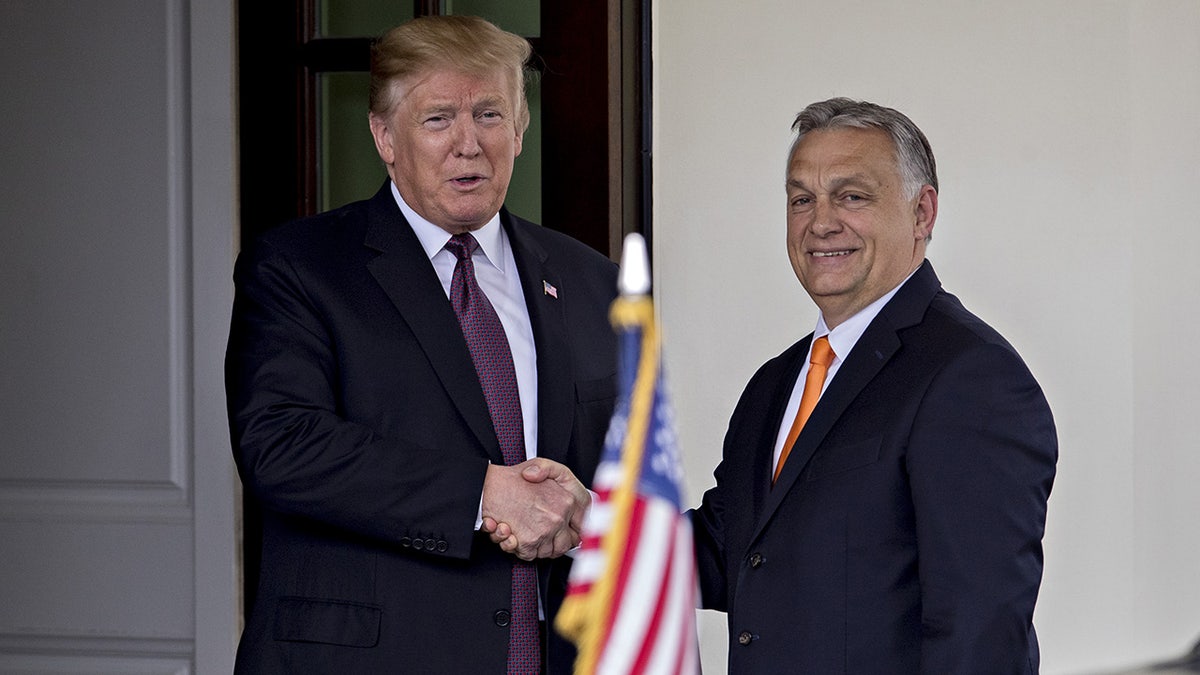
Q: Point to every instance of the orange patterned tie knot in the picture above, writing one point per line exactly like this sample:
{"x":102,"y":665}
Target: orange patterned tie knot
{"x":818,"y":366}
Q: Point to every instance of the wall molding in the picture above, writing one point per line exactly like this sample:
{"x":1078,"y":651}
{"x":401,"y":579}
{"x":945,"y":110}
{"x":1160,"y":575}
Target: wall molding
{"x":80,"y":654}
{"x":91,"y":501}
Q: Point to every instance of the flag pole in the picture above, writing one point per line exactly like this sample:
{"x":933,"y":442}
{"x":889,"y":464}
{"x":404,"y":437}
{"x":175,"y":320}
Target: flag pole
{"x":587,"y":620}
{"x":631,"y":596}
{"x":634,"y":279}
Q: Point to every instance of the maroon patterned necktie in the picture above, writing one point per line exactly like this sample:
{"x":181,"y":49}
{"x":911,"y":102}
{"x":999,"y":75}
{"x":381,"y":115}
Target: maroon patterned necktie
{"x":494,"y":366}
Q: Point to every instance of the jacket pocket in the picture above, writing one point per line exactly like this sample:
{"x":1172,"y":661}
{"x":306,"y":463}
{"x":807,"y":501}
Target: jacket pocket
{"x":833,"y":460}
{"x":334,"y":622}
{"x":600,"y":389}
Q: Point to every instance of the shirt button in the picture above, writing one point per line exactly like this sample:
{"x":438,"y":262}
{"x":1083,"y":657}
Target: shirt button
{"x":756,"y":560}
{"x":501,"y":617}
{"x":744,"y":638}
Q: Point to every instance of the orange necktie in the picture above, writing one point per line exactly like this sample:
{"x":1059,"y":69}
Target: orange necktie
{"x":818,"y":366}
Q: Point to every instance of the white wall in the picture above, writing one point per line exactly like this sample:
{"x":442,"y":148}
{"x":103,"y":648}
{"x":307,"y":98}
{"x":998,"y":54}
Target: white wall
{"x":1068,"y":150}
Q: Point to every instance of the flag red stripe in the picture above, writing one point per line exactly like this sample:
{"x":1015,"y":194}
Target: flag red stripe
{"x":632,"y":590}
{"x":656,"y":620}
{"x":682,"y":657}
{"x":635,"y":532}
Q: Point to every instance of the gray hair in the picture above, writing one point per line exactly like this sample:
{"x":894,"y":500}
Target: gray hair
{"x":914,"y":157}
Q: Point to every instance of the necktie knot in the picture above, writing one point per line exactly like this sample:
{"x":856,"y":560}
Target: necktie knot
{"x":462,"y":245}
{"x":822,"y":352}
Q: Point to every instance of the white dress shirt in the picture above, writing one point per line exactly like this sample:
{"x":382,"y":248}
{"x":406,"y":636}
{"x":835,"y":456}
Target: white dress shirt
{"x":496,"y":272}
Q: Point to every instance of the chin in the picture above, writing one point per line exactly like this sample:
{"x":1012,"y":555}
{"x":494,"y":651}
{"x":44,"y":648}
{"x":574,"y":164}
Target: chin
{"x":474,"y":212}
{"x":823,"y":288}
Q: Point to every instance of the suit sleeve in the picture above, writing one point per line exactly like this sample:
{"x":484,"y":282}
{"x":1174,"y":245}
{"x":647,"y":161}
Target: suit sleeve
{"x":710,"y":549}
{"x":294,"y":449}
{"x":981,"y":463}
{"x":710,"y":522}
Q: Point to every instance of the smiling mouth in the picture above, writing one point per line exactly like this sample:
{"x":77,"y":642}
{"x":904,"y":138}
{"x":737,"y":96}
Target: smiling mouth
{"x":830,"y":254}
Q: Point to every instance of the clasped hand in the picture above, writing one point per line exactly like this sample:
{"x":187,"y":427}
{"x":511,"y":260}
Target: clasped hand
{"x":534,"y":509}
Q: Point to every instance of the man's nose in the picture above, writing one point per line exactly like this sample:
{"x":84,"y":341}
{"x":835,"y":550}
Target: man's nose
{"x":824,"y":217}
{"x":466,"y":139}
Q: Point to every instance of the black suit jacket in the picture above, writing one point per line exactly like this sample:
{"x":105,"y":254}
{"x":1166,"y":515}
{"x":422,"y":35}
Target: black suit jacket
{"x":904,"y":533}
{"x":359,"y":424}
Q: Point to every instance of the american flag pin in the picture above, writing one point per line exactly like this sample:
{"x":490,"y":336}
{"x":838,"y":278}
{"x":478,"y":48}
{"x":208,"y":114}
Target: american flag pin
{"x":549,"y":290}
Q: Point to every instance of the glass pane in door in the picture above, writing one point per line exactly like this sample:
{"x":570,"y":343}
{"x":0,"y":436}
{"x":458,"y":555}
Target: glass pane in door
{"x":350,"y":166}
{"x":361,"y":18}
{"x":522,"y":17}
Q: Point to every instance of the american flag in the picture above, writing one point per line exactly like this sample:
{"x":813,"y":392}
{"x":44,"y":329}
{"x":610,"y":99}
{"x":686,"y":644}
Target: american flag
{"x":631,"y":596}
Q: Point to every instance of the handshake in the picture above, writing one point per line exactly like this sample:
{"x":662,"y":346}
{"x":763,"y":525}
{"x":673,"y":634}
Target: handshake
{"x":534,"y":509}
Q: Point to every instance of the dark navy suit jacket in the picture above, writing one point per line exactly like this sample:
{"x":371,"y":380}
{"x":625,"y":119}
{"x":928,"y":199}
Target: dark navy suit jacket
{"x":360,"y":426}
{"x":904,"y":534}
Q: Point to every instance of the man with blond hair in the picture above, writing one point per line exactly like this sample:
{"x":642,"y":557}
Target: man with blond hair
{"x":405,"y":369}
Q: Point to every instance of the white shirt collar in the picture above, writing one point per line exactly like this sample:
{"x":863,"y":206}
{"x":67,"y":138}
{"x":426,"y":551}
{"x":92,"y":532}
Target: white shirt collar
{"x":843,"y":338}
{"x":492,"y":242}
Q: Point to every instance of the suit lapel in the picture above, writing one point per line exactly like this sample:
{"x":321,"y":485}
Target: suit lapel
{"x":404,"y":272}
{"x":873,"y":350}
{"x":556,"y":394}
{"x":775,"y":408}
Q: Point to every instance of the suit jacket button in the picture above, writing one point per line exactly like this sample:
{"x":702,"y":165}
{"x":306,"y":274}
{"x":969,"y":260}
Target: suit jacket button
{"x":745,"y":638}
{"x":405,"y":542}
{"x":442,"y":546}
{"x":431,"y":544}
{"x":756,"y":561}
{"x":418,"y":543}
{"x":501,"y":617}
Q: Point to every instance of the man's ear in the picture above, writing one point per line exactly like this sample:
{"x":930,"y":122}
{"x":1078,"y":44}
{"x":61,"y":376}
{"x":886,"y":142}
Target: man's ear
{"x":381,"y":131}
{"x":926,"y":212}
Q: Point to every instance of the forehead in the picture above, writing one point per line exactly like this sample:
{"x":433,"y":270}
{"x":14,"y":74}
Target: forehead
{"x":843,"y":151}
{"x":442,"y":86}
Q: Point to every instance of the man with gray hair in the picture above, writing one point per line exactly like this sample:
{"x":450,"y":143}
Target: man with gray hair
{"x":881,"y":499}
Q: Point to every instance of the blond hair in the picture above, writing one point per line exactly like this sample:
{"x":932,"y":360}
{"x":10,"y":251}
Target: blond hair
{"x":464,"y":43}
